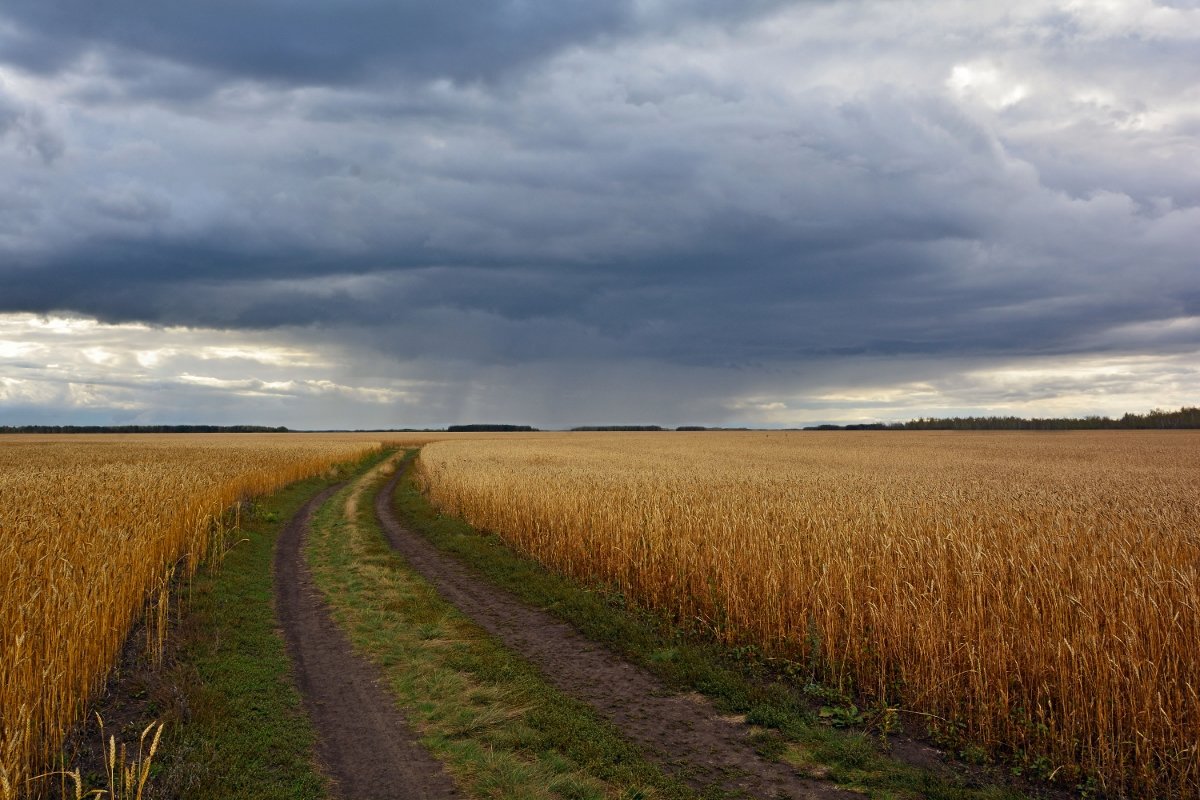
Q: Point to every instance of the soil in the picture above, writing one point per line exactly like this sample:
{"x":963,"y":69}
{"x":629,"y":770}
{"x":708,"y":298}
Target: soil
{"x":363,"y":740}
{"x":684,"y":733}
{"x":136,"y":694}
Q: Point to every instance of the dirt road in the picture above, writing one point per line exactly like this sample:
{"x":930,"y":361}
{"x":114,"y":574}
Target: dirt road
{"x":683,"y":733}
{"x":363,"y":740}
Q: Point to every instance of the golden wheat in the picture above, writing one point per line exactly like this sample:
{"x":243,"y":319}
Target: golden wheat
{"x":1037,"y":592}
{"x":91,"y":528}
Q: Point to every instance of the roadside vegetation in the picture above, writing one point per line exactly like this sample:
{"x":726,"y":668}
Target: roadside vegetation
{"x":814,"y":727}
{"x":240,"y":730}
{"x":99,"y":532}
{"x":232,"y":722}
{"x":1028,"y":598}
{"x":500,"y":729}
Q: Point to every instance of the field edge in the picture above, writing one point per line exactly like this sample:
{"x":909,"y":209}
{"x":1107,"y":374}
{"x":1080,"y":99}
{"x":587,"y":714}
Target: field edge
{"x":785,"y":709}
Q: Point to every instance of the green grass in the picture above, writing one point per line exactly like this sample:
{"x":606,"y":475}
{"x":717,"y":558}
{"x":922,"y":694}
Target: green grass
{"x":781,"y":706}
{"x":501,"y":730}
{"x":244,"y":733}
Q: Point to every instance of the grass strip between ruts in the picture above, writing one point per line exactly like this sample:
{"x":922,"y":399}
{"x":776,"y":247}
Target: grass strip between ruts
{"x":501,"y":730}
{"x":781,"y":708}
{"x":244,"y":733}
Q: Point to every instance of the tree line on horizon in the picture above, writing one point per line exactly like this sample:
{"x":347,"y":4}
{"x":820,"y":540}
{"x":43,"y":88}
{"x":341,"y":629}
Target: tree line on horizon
{"x":1186,"y":417}
{"x":142,"y":429}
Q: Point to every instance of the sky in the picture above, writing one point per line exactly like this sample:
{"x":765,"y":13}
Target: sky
{"x":392,"y":213}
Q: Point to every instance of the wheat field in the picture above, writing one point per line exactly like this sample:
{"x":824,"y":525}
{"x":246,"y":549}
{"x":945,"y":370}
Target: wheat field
{"x":1034,"y":593}
{"x":92,"y":529}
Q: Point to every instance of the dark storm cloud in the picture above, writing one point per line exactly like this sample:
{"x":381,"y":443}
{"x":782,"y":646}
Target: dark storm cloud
{"x":743,"y":199}
{"x":311,"y":42}
{"x":316,"y":42}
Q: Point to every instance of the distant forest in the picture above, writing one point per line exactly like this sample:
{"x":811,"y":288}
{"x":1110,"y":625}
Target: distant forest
{"x":1187,"y":417}
{"x":488,"y":427}
{"x":140,"y":429}
{"x":619,"y":428}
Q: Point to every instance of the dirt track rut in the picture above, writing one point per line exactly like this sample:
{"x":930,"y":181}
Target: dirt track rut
{"x":683,"y":733}
{"x":363,"y":740}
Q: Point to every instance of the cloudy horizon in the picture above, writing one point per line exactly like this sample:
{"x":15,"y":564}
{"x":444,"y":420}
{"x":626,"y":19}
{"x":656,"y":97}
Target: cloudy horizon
{"x":645,"y":212}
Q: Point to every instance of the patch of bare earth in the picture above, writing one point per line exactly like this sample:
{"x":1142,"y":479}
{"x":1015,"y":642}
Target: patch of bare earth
{"x":684,"y":733}
{"x":363,"y":740}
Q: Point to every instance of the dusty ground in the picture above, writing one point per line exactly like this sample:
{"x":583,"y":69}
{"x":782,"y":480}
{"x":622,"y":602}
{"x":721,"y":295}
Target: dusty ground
{"x":363,"y":740}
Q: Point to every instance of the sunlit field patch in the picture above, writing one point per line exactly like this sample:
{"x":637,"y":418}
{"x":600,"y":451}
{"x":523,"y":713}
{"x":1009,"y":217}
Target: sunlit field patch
{"x":92,"y":531}
{"x":1035,"y":593}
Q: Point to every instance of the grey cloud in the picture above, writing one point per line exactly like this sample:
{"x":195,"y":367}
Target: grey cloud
{"x":316,"y":43}
{"x":131,"y":203}
{"x":313,"y":42}
{"x":709,"y":203}
{"x":26,"y":126}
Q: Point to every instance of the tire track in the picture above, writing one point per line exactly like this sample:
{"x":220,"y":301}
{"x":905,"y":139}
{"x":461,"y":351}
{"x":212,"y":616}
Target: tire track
{"x":683,"y":733}
{"x":363,"y":740}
